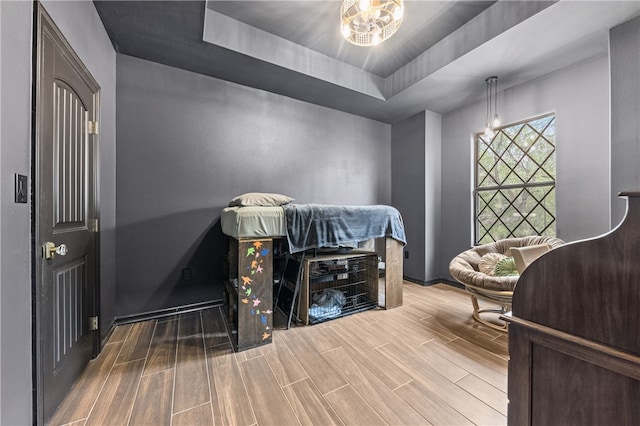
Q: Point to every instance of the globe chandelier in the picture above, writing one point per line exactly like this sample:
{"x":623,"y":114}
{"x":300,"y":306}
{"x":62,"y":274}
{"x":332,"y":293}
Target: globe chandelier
{"x":370,"y":22}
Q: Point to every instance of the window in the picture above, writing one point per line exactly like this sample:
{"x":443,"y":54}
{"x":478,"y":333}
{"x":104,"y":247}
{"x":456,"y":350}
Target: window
{"x":515,"y":181}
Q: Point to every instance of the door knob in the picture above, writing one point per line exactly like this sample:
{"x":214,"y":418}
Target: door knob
{"x":49,"y":250}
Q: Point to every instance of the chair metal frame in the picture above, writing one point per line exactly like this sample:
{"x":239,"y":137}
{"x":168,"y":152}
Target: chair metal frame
{"x":501,"y":298}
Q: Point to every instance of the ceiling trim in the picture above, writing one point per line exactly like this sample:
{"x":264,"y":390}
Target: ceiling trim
{"x":490,"y":23}
{"x":516,"y":40}
{"x":223,"y":31}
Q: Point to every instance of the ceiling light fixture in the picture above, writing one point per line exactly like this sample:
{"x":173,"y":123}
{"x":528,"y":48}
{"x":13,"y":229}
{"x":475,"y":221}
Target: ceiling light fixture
{"x":493,"y":120}
{"x":370,"y":22}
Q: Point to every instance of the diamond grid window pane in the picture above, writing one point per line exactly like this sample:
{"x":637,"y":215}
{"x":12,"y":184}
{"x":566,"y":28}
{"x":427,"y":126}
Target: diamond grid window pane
{"x":541,"y":150}
{"x":542,"y":123}
{"x":484,"y":167}
{"x":512,"y":131}
{"x":515,"y":181}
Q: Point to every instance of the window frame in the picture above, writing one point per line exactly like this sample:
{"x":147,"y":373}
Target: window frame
{"x":476,"y":225}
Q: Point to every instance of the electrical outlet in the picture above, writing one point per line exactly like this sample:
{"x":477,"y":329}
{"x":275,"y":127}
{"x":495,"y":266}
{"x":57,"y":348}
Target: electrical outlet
{"x":186,"y":274}
{"x":406,"y":254}
{"x":21,"y":189}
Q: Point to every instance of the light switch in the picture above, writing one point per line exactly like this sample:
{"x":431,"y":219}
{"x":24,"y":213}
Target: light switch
{"x":21,"y":188}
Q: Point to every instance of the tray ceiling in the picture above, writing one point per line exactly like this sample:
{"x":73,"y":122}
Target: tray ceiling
{"x":437,"y":60}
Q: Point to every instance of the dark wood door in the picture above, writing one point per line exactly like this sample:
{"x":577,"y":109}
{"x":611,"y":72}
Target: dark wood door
{"x":65,"y":205}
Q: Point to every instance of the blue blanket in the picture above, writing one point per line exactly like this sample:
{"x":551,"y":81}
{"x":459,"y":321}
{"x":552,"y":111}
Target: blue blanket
{"x":325,"y":226}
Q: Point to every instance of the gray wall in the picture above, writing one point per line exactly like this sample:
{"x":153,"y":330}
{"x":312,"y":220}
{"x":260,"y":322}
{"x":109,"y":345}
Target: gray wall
{"x":579,"y":95}
{"x":433,"y":196}
{"x":624,"y":45}
{"x":15,"y":241}
{"x":81,"y":25}
{"x":408,"y":155}
{"x":188,"y":143}
{"x":416,"y":182}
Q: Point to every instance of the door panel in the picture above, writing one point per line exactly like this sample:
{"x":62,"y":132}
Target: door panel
{"x":66,"y":284}
{"x":69,"y":162}
{"x":69,"y":311}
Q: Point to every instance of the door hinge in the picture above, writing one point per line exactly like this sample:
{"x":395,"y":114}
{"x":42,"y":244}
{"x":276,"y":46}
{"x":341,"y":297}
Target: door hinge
{"x":93,"y":323}
{"x":94,"y":225}
{"x":92,"y":127}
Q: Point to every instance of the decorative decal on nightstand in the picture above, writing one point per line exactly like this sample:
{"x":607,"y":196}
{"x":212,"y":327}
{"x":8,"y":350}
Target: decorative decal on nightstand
{"x":252,"y":272}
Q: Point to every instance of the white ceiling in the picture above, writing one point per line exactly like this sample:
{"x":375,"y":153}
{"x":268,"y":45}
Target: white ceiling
{"x":437,"y":60}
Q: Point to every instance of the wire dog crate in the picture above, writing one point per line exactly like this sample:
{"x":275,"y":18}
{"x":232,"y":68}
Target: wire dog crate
{"x":336,"y":285}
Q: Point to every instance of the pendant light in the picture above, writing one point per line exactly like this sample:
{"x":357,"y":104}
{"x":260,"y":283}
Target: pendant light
{"x":493,"y":120}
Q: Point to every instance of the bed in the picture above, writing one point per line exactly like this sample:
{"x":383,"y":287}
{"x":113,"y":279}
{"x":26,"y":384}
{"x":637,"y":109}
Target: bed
{"x":314,"y":226}
{"x":252,"y":228}
{"x":241,"y":222}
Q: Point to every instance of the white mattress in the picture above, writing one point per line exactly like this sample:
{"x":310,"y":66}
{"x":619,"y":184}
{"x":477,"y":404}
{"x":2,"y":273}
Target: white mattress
{"x":252,"y":222}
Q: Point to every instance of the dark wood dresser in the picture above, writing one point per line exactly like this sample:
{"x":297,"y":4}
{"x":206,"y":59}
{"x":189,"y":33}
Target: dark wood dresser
{"x":574,"y":332}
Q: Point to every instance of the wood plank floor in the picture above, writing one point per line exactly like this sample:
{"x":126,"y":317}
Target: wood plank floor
{"x":426,"y":362}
